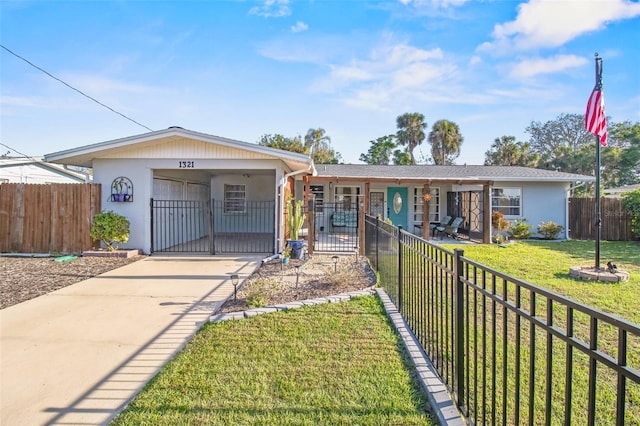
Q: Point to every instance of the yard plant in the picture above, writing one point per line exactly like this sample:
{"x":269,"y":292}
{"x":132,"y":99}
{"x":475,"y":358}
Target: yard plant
{"x":110,"y":228}
{"x":338,"y":363}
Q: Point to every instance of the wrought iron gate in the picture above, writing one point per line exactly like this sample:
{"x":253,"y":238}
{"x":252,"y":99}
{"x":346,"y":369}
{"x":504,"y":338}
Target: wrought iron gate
{"x":336,"y":227}
{"x":181,"y":226}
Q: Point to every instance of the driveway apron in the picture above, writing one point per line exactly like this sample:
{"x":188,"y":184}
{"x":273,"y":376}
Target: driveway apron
{"x":79,"y":354}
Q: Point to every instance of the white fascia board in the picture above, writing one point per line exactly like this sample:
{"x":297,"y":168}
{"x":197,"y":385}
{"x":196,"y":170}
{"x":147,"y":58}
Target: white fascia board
{"x":149,"y":137}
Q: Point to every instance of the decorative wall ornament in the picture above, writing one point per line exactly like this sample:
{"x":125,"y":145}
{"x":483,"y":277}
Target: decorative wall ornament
{"x":121,"y":190}
{"x":397,"y":203}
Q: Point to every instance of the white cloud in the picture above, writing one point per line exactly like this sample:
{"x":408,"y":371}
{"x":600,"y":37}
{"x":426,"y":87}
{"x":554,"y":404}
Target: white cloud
{"x":551,"y":23}
{"x":272,"y":9}
{"x":532,"y":67}
{"x":475,"y":60}
{"x":299,"y":27}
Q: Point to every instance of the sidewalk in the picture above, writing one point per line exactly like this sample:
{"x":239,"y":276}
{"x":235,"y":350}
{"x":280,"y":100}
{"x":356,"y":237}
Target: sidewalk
{"x":78,"y":355}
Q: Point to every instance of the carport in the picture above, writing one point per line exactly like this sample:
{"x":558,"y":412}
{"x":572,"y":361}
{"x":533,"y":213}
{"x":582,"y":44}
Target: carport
{"x":189,"y":192}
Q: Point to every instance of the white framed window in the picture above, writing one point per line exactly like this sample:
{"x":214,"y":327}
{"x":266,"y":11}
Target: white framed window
{"x":434,"y":205}
{"x":507,"y":201}
{"x":235,"y":199}
{"x":318,"y":192}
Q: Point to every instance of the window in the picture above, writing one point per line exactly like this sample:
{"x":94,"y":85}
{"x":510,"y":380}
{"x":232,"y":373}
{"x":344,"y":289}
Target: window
{"x":234,"y":199}
{"x":506,"y":201}
{"x":318,"y":192}
{"x":434,"y":205}
{"x":347,"y":196}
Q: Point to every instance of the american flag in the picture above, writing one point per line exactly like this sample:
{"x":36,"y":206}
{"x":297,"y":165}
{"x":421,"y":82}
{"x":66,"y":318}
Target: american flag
{"x":595,"y":119}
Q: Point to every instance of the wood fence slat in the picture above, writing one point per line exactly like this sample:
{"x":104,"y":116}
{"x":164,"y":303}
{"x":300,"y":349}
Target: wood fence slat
{"x":615,"y":220}
{"x":53,"y":218}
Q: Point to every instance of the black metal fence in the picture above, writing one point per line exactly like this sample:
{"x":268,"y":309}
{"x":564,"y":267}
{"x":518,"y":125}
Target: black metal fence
{"x":509,"y":351}
{"x":184,"y":226}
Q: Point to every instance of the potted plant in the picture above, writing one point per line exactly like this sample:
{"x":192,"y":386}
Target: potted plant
{"x":295,"y":220}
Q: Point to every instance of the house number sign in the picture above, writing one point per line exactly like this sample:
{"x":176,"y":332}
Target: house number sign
{"x":186,"y":164}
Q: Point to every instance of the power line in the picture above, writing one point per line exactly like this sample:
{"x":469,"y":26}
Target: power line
{"x":73,"y":88}
{"x":18,"y":152}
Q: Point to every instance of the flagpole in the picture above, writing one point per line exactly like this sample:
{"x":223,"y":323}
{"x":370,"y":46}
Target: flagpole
{"x":597,"y":193}
{"x":598,"y":64}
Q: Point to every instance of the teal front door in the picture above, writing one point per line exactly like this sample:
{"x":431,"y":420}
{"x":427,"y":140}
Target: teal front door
{"x":397,"y":206}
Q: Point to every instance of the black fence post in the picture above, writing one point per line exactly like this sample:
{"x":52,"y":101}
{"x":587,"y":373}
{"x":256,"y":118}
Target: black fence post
{"x":377,"y":244}
{"x":152,"y":239}
{"x":400,"y":269}
{"x":459,"y":327}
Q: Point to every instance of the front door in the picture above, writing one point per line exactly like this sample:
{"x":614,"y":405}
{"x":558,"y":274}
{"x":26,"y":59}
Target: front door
{"x":398,"y":205}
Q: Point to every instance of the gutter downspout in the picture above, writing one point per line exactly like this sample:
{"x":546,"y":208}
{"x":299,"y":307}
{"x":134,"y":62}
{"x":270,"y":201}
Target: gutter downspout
{"x":280,"y":187}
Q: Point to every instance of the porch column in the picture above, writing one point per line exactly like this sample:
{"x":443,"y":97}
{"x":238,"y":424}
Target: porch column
{"x":486,"y":213}
{"x":426,"y":189}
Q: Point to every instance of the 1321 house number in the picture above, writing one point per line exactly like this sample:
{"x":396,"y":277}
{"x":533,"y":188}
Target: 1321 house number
{"x":186,"y":164}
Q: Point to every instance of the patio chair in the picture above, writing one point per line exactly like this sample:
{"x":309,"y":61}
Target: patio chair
{"x":433,"y":226}
{"x":451,"y":229}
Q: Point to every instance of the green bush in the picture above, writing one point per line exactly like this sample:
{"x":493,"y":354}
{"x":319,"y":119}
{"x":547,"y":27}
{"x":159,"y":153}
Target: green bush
{"x":549,"y":230}
{"x":520,"y":229}
{"x":110,"y":228}
{"x":631,"y":202}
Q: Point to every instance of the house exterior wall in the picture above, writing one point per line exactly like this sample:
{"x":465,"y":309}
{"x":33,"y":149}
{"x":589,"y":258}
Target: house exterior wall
{"x":33,"y":173}
{"x":141,"y":173}
{"x":542,"y":202}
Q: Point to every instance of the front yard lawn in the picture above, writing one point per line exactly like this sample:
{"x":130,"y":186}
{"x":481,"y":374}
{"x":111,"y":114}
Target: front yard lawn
{"x":338,"y":363}
{"x":547,"y":264}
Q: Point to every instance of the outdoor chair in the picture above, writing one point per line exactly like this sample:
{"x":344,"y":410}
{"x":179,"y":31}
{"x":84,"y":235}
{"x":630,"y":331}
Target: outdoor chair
{"x":433,"y":226}
{"x":451,"y":229}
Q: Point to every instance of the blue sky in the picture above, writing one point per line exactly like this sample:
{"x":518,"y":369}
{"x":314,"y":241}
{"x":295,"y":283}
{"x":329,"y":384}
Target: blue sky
{"x":241,"y":69}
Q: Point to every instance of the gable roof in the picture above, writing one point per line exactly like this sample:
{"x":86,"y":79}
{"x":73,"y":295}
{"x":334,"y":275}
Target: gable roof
{"x":84,"y":155}
{"x":34,"y":170}
{"x":461,"y":173}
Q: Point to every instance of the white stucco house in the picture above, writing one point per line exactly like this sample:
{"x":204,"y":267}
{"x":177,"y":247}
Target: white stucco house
{"x":185,"y":191}
{"x":34,"y":170}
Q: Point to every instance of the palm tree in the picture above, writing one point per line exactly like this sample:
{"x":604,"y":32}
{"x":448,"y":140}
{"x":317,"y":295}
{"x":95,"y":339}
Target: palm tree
{"x":411,"y":127}
{"x":445,"y":140}
{"x":318,"y":145}
{"x":316,"y":139}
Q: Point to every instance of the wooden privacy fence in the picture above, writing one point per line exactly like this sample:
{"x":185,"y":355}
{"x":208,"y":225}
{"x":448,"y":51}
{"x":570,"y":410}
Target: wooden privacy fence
{"x":51,"y":218}
{"x":616,"y":221}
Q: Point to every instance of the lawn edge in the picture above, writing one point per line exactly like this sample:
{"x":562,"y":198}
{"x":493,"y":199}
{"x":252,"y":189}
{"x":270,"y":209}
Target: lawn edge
{"x":432,"y":386}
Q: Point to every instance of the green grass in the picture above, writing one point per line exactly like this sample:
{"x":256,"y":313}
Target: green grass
{"x":328,"y":364}
{"x":547,"y":264}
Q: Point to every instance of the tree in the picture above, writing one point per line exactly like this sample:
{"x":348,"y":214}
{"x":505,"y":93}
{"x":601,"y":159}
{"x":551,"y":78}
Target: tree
{"x":401,"y":157}
{"x":410,"y":131}
{"x":445,"y":140}
{"x":556,"y":138}
{"x":505,"y":151}
{"x":316,"y":139}
{"x":281,"y":142}
{"x":380,"y":151}
{"x":318,"y":146}
{"x":626,"y":137}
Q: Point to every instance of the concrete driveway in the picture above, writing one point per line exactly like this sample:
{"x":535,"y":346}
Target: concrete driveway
{"x":78,"y":355}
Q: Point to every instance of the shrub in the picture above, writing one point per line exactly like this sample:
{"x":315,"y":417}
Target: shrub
{"x":549,"y":230}
{"x":631,"y":202}
{"x":499,"y":222}
{"x":110,"y":228}
{"x":520,"y":229}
